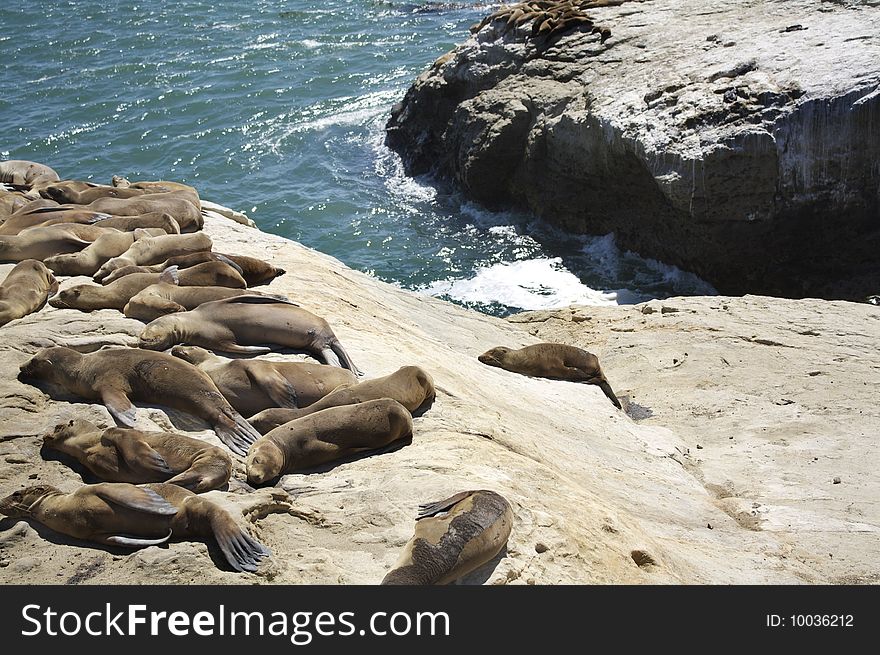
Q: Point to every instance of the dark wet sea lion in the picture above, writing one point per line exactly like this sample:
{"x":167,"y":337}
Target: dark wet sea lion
{"x":245,"y":324}
{"x":155,"y":250}
{"x":23,"y":172}
{"x":327,"y":436}
{"x":557,"y":361}
{"x":113,"y":376}
{"x":25,"y":290}
{"x":107,"y":246}
{"x":252,"y":385}
{"x":411,"y":386}
{"x":452,"y":538}
{"x":125,"y":455}
{"x":42,"y":242}
{"x":162,"y":298}
{"x":118,"y":514}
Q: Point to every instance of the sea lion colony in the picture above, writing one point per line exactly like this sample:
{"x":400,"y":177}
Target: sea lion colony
{"x":195,"y":302}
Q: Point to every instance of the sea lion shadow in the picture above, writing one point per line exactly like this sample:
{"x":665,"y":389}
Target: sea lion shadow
{"x":424,"y":407}
{"x":52,"y":455}
{"x":481,"y":575}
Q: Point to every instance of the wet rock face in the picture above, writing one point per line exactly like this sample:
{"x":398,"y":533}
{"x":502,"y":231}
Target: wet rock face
{"x":741,"y":143}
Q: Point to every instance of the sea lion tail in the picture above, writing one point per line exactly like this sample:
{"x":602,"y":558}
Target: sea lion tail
{"x":604,"y":386}
{"x":242,"y":551}
{"x":347,"y":362}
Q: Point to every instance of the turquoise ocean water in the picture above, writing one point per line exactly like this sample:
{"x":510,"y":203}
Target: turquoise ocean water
{"x":278,"y":109}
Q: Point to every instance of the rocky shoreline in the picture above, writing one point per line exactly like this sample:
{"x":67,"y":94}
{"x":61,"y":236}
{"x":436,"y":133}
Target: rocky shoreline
{"x":597,"y":496}
{"x":737,"y":140}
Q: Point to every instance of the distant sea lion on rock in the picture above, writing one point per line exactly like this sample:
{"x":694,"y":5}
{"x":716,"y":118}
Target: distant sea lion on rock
{"x":162,"y":298}
{"x":107,"y":246}
{"x":124,"y":455}
{"x":252,"y":385}
{"x":411,"y":386}
{"x":452,"y":538}
{"x":254,"y":271}
{"x":24,"y":220}
{"x":118,"y":514}
{"x":114,"y":375}
{"x":23,"y":172}
{"x":556,"y":361}
{"x":184,"y":209}
{"x":76,"y":192}
{"x":248,"y":324}
{"x":25,"y":290}
{"x":327,"y":436}
{"x":42,"y":242}
{"x":155,"y":250}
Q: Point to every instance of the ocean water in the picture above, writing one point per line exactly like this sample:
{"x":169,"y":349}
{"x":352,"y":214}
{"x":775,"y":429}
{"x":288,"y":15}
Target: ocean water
{"x":278,"y":109}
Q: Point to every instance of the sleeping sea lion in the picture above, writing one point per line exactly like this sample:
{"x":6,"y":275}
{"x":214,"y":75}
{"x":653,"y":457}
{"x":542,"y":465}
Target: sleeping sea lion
{"x":411,"y":386}
{"x":107,"y":246}
{"x":241,"y":323}
{"x":252,"y":385}
{"x":124,"y":455}
{"x":181,"y":205}
{"x":77,"y":192}
{"x":114,"y":375}
{"x":163,"y":298}
{"x":556,"y":361}
{"x":42,"y":242}
{"x":254,"y":271}
{"x":23,"y":172}
{"x":154,"y":250}
{"x":452,"y":538}
{"x":118,"y":514}
{"x":25,"y":290}
{"x":23,"y":220}
{"x":327,"y":436}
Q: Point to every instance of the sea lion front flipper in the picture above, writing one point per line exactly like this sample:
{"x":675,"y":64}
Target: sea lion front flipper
{"x":119,"y":406}
{"x":232,"y":347}
{"x":253,"y":299}
{"x":236,"y":433}
{"x":136,"y":498}
{"x":134,"y":542}
{"x":170,"y":276}
{"x":137,"y":453}
{"x":278,"y":388}
{"x":606,"y":388}
{"x":432,"y":509}
{"x":229,"y":262}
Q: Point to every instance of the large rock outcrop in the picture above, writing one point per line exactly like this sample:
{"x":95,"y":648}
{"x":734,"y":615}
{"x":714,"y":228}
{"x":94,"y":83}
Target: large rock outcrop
{"x":738,"y":139}
{"x":598,"y":497}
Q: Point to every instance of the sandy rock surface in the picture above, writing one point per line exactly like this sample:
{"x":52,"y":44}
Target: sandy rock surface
{"x":597,"y":496}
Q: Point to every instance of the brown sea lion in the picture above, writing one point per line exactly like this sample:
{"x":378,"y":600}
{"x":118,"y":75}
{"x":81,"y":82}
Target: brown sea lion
{"x":327,"y":436}
{"x":556,"y":361}
{"x":252,"y":385}
{"x":77,"y":192}
{"x":23,"y":172}
{"x":155,"y":186}
{"x":161,"y":298}
{"x":124,"y":455}
{"x":114,"y":375}
{"x":254,"y":271}
{"x":25,"y":290}
{"x":155,"y":250}
{"x":42,"y":242}
{"x":243,"y":324}
{"x":119,"y":514}
{"x":452,"y":538}
{"x":116,"y":295}
{"x":23,"y":220}
{"x":411,"y":386}
{"x":107,"y":246}
{"x":180,"y":205}
{"x":11,"y":202}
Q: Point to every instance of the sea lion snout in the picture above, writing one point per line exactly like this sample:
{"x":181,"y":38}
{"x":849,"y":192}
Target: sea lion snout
{"x":494,"y":356}
{"x":18,"y":504}
{"x":264,"y":462}
{"x":155,"y":337}
{"x":64,"y":299}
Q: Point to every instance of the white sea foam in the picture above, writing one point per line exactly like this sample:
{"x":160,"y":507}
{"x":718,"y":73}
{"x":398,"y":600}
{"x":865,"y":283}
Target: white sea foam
{"x":542,"y":283}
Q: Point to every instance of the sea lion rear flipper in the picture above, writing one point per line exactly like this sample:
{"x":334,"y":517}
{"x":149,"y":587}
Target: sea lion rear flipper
{"x":170,"y":275}
{"x":242,"y":551}
{"x":190,"y":479}
{"x":136,"y":452}
{"x":604,"y":386}
{"x":278,"y":388}
{"x":226,"y":260}
{"x":136,"y":498}
{"x":432,"y":509}
{"x":347,"y":362}
{"x":119,"y":406}
{"x":134,"y":542}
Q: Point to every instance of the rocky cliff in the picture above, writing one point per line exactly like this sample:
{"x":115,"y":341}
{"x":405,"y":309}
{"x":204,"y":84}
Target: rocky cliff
{"x":738,"y":139}
{"x":598,"y":496}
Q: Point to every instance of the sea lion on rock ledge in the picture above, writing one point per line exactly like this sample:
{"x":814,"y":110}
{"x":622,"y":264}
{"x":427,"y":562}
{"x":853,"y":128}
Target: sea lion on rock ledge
{"x":26,"y":173}
{"x":556,"y":361}
{"x":118,"y":514}
{"x":43,"y":242}
{"x":452,"y":538}
{"x":155,"y":249}
{"x":122,"y":455}
{"x":104,"y":248}
{"x":113,"y":376}
{"x":25,"y":290}
{"x":327,"y":436}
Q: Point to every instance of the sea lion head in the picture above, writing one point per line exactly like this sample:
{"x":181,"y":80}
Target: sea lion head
{"x":67,"y":430}
{"x":495,"y":356}
{"x":265,"y":461}
{"x":156,"y":336}
{"x":47,"y":364}
{"x":18,"y":504}
{"x":192,"y":354}
{"x":69,"y":298}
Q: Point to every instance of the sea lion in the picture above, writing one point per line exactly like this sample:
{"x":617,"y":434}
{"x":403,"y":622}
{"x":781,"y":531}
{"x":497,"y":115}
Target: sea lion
{"x":124,"y":455}
{"x":185,"y":209}
{"x":327,"y":436}
{"x":42,"y":242}
{"x":119,"y":514}
{"x":254,"y":271}
{"x":26,"y":173}
{"x":113,"y":375}
{"x":107,"y":246}
{"x":556,"y":361}
{"x":452,"y":538}
{"x":156,"y":249}
{"x":23,"y":220}
{"x":241,"y":323}
{"x":156,"y":186}
{"x":411,"y":386}
{"x":25,"y":290}
{"x":252,"y":385}
{"x":77,"y":192}
{"x":116,"y":295}
{"x":161,"y":298}
{"x":11,"y":202}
